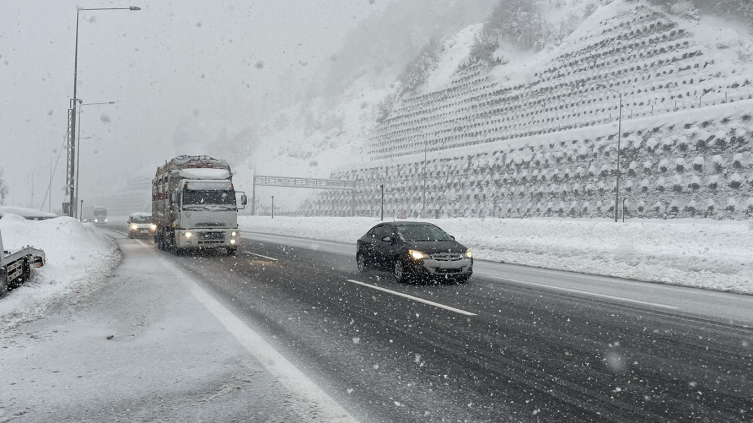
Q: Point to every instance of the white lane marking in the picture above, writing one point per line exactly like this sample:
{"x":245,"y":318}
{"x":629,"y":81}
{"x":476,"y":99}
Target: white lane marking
{"x":420,"y":300}
{"x":593,"y":294}
{"x":259,"y":255}
{"x":308,"y":399}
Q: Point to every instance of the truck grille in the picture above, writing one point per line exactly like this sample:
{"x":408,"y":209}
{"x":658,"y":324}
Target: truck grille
{"x":212,"y":235}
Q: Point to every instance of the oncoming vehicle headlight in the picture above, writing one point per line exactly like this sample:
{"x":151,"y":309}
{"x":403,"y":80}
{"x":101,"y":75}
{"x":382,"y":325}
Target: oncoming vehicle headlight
{"x":418,"y":255}
{"x":153,"y":227}
{"x":468,"y":254}
{"x":133,"y":226}
{"x":188,"y":235}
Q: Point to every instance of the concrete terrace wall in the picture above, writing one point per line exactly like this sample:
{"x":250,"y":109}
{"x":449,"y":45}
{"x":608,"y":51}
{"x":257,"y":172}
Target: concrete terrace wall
{"x":548,"y":147}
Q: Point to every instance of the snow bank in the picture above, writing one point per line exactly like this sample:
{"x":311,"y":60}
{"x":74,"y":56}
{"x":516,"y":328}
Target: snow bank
{"x":79,"y":258}
{"x":703,"y":254}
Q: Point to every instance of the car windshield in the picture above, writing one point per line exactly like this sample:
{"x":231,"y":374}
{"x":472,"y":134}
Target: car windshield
{"x":422,"y":233}
{"x":141,"y":219}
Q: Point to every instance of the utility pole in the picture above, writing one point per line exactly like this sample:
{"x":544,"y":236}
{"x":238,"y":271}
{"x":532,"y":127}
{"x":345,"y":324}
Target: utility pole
{"x":382,"y":213}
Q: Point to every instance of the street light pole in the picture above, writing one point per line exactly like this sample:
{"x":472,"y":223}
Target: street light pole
{"x":78,"y":149}
{"x":423,"y":206}
{"x":70,"y":177}
{"x":382,"y":212}
{"x":619,"y":139}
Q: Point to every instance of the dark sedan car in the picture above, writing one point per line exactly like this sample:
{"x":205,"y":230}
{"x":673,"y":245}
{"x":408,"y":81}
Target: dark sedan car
{"x":414,"y":250}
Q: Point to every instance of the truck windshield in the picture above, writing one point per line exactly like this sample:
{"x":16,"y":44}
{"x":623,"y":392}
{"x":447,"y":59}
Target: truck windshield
{"x":208,"y":197}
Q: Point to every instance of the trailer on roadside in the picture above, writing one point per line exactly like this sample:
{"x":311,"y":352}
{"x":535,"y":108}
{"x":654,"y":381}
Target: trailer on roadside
{"x":15,"y":265}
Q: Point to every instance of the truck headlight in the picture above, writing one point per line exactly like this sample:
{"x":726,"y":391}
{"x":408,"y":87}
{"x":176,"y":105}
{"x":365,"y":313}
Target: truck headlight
{"x":468,"y":254}
{"x":418,"y":255}
{"x":232,"y":242}
{"x":188,"y":235}
{"x":134,"y":227}
{"x":233,"y":233}
{"x":153,"y":227}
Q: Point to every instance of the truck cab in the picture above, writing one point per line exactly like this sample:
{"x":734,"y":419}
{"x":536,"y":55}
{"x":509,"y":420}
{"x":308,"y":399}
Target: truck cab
{"x":207,"y":214}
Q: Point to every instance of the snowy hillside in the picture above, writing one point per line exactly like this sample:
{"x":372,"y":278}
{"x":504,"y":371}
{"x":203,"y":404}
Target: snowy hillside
{"x":665,"y":64}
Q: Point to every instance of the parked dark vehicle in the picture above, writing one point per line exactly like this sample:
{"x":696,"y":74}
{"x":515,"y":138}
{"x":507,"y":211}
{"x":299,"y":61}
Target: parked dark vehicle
{"x":414,"y":251}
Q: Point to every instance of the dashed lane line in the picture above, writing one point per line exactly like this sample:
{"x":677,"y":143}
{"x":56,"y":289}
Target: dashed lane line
{"x":578,"y":291}
{"x":417,"y":299}
{"x":259,"y":255}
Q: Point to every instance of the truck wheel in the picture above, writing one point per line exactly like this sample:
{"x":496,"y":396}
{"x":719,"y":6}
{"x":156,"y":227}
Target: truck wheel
{"x":3,"y":282}
{"x":232,"y":251}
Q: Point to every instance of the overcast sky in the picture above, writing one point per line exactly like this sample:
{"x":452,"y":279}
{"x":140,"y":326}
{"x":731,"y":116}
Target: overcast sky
{"x":219,"y":63}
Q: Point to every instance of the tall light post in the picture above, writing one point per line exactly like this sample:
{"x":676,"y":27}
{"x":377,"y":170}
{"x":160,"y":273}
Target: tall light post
{"x":71,"y":173}
{"x":423,"y":205}
{"x":78,"y":149}
{"x":619,"y":137}
{"x":381,"y":214}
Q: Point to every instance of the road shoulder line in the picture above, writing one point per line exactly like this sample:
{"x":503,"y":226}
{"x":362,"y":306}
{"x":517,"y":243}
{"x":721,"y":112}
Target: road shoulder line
{"x":309,"y":401}
{"x":578,"y":291}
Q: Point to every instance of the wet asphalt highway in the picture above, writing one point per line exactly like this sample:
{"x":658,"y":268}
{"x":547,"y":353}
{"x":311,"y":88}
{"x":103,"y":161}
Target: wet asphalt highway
{"x":486,"y":350}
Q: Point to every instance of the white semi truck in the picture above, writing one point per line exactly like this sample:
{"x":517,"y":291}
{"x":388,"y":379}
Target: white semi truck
{"x":194,"y":205}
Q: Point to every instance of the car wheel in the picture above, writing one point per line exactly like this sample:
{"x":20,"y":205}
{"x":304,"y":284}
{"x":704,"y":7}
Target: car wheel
{"x":361,"y":261}
{"x":130,"y":235}
{"x":398,"y":270}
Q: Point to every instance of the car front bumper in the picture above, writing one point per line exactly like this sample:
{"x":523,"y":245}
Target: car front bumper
{"x":450,"y":269}
{"x":141,"y":231}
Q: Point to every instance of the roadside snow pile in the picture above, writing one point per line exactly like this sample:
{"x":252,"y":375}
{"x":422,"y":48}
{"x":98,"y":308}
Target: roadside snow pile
{"x":697,"y":253}
{"x":79,"y":257}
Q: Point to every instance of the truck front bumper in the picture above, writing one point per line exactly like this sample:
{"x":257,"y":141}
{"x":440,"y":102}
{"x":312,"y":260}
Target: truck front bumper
{"x":207,"y":238}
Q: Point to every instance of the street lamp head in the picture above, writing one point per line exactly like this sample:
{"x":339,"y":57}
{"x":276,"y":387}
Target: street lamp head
{"x":135,"y":8}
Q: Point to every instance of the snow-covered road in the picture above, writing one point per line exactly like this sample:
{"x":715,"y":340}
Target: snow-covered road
{"x":149,"y":344}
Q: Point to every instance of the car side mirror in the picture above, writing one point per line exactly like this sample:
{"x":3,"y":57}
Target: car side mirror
{"x":244,"y":200}
{"x":453,"y":238}
{"x":387,"y":239}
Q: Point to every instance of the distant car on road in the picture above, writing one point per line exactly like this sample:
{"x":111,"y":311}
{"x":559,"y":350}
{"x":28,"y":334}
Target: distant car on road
{"x":414,"y":251}
{"x":140,"y":225}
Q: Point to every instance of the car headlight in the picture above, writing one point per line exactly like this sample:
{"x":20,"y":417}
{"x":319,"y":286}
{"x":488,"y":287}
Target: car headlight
{"x":134,"y":227}
{"x":468,"y":254}
{"x":418,"y":255}
{"x":153,"y":227}
{"x":189,"y":234}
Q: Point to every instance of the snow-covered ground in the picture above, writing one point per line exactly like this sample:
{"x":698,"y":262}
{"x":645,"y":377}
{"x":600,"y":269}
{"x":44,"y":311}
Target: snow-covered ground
{"x":690,"y":252}
{"x":79,"y":259}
